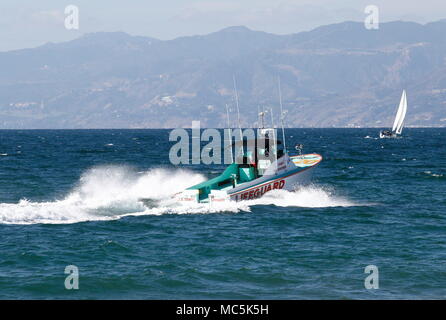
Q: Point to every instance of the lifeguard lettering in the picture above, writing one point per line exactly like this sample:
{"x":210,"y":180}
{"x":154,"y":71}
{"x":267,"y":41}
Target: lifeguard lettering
{"x":260,"y":191}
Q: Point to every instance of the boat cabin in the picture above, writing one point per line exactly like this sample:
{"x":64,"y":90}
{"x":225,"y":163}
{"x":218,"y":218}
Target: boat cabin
{"x":258,"y":155}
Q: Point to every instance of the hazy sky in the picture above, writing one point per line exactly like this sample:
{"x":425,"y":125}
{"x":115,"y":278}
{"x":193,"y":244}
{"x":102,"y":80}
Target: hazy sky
{"x":29,"y":23}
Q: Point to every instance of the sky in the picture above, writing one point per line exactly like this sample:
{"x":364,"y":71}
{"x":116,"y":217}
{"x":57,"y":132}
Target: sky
{"x":30,"y":23}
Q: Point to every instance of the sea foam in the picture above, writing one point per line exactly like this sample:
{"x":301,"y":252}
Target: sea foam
{"x":112,"y":192}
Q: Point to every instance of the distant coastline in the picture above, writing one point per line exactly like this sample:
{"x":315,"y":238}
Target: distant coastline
{"x":339,"y":75}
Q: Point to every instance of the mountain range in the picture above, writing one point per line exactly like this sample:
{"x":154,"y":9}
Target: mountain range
{"x":339,"y":75}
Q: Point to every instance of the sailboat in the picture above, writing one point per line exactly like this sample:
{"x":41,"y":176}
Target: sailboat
{"x":399,"y":120}
{"x":264,"y":167}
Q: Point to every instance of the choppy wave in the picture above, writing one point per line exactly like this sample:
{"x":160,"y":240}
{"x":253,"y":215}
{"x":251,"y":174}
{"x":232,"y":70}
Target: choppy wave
{"x":111,"y":192}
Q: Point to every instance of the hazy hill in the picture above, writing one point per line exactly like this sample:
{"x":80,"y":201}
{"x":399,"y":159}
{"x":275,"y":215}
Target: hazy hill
{"x":335,"y":75}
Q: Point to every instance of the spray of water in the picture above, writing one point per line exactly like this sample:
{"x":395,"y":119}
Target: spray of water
{"x":112,"y":192}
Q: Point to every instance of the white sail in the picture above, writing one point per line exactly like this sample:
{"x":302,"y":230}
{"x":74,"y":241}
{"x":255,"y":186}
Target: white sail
{"x":400,"y":115}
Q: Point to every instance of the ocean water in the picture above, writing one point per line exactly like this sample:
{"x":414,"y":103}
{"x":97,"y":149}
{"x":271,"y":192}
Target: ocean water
{"x":70,"y":197}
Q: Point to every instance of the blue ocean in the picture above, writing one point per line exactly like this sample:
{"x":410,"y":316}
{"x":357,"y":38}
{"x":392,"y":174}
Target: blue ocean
{"x":72,"y":198}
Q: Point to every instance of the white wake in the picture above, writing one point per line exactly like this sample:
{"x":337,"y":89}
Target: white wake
{"x":112,"y":192}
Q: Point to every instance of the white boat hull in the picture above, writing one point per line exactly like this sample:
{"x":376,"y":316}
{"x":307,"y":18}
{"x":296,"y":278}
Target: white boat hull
{"x":287,"y":174}
{"x":288,"y":182}
{"x":387,"y":136}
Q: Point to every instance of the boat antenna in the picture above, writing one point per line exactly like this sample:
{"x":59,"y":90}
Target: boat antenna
{"x":272,"y":118}
{"x":238,"y":110}
{"x":258,"y":116}
{"x":281,"y":115}
{"x":262,"y":122}
{"x":262,"y":119}
{"x":229,"y":132}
